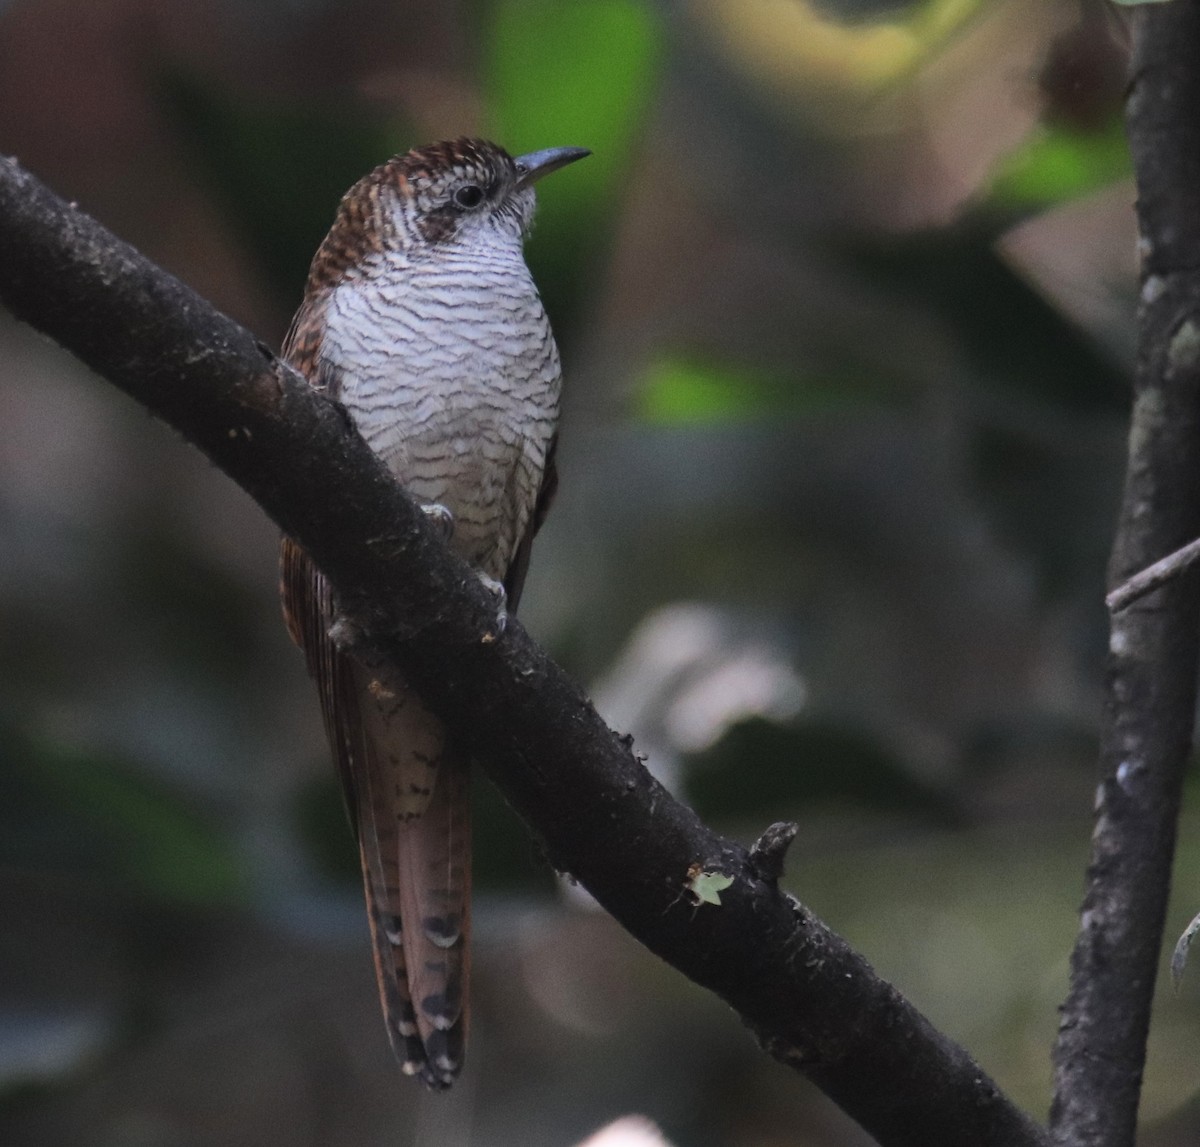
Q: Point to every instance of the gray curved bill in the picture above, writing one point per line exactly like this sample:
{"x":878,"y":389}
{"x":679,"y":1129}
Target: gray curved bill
{"x":532,"y":167}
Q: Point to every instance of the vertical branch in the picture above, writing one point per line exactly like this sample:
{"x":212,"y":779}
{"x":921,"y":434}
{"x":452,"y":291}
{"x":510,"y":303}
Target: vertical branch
{"x":1146,"y":729}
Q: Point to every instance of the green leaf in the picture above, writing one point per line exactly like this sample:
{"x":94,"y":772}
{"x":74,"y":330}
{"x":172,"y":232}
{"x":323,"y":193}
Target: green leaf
{"x":706,"y":886}
{"x":676,"y":391}
{"x":565,"y":73}
{"x":1057,"y":163}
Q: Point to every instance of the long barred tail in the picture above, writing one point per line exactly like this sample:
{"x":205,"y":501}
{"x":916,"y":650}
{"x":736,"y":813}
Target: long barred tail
{"x":408,"y":799}
{"x":413,"y":814}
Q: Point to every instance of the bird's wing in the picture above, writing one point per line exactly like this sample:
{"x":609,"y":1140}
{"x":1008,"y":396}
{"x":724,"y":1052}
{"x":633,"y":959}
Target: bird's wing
{"x":408,"y":801}
{"x":514,"y":581}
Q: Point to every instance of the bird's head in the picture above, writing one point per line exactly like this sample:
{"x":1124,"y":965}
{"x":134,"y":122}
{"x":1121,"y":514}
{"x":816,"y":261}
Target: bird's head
{"x":469,"y":188}
{"x":462,"y":191}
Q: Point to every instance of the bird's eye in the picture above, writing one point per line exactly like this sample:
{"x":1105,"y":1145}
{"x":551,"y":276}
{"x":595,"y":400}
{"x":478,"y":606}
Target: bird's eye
{"x":469,"y":195}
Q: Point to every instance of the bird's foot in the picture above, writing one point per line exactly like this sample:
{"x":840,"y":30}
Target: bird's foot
{"x":497,"y":590}
{"x":350,"y":638}
{"x":440,"y":518}
{"x":388,"y":691}
{"x":346,"y":635}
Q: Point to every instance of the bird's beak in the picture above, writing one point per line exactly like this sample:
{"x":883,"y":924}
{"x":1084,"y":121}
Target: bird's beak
{"x":531,"y":167}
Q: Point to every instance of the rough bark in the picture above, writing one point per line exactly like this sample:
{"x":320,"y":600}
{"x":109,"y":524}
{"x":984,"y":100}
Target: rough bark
{"x":813,"y":1002}
{"x":1146,"y":732}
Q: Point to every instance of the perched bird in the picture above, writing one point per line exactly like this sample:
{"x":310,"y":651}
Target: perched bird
{"x":421,"y":318}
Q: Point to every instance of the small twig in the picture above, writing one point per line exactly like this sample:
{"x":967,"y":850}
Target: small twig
{"x":768,"y":851}
{"x":1180,"y":956}
{"x":1153,"y":576}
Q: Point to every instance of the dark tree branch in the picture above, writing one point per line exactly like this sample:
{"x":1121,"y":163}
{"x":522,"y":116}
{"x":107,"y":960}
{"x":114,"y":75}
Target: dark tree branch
{"x":813,"y":1002}
{"x":1147,"y":725}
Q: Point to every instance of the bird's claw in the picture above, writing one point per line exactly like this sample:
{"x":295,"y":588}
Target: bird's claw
{"x":346,"y":635}
{"x":497,"y":590}
{"x":440,"y":518}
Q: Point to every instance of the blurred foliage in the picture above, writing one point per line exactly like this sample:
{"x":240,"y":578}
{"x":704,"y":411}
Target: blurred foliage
{"x":277,"y":168}
{"x":75,"y":811}
{"x":692,"y":391}
{"x":554,"y":72}
{"x":563,"y":74}
{"x":508,"y":858}
{"x":761,"y":769}
{"x":324,"y":825}
{"x":802,"y":45}
{"x":189,"y":603}
{"x":1058,"y":163}
{"x":958,"y":274}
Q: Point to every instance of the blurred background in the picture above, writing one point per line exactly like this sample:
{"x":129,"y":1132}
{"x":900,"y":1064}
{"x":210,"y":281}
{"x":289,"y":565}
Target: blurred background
{"x":845,"y":301}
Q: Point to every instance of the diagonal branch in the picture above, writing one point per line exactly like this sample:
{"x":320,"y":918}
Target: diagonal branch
{"x":1146,"y":733}
{"x":813,"y":1002}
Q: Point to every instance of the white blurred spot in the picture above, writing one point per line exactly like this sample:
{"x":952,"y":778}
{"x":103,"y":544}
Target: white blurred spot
{"x":628,"y":1131}
{"x":42,"y":1046}
{"x":688,"y":673}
